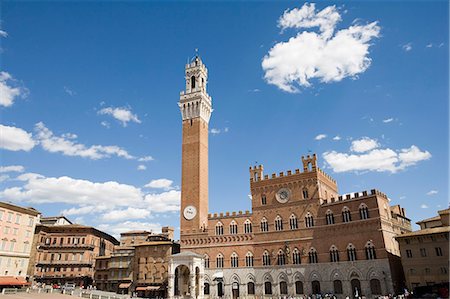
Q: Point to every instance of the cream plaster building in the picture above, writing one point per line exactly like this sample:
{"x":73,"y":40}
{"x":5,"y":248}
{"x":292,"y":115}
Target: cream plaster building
{"x":17,"y":226}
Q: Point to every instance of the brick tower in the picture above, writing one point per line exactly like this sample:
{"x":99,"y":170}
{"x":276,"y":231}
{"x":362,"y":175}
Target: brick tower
{"x":195,"y":105}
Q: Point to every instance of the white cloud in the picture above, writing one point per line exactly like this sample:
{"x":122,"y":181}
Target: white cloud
{"x":3,"y":33}
{"x":432,"y":192}
{"x":122,"y":114}
{"x":15,"y":139}
{"x":375,"y":159}
{"x":82,"y":210}
{"x":328,"y":55}
{"x":407,"y":47}
{"x":164,"y":202}
{"x":69,"y":91}
{"x":68,"y":147}
{"x":430,"y":45}
{"x":12,"y":168}
{"x":160,"y":184}
{"x":141,"y":167}
{"x":105,"y":124}
{"x":388,"y":120}
{"x":363,"y":145}
{"x":337,"y":137}
{"x":3,"y":177}
{"x":215,"y":131}
{"x":129,"y":213}
{"x":9,"y":91}
{"x":226,"y":129}
{"x":423,"y":206}
{"x":145,"y":159}
{"x":320,"y":137}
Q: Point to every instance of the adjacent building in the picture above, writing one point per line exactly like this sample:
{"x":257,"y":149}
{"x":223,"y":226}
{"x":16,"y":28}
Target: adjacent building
{"x":425,"y":253}
{"x":139,"y":264}
{"x":17,"y":226}
{"x":300,"y":237}
{"x":66,"y":253}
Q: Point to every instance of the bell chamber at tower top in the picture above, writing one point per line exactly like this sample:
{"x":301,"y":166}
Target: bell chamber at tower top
{"x":195,"y":101}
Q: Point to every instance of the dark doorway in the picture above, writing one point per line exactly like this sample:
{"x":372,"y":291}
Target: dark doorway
{"x":315,"y":287}
{"x":356,"y":288}
{"x":235,"y":288}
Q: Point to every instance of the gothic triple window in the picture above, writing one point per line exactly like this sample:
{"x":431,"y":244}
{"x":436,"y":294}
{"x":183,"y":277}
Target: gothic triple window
{"x":249,"y":259}
{"x":266,"y":258}
{"x":346,"y":216}
{"x":351,"y":252}
{"x":264,"y":225}
{"x":309,"y":220}
{"x":263,"y":200}
{"x":278,"y":223}
{"x":329,"y":217}
{"x":370,"y":251}
{"x":233,"y":228}
{"x":363,"y":212}
{"x":219,"y":229}
{"x":293,"y":223}
{"x":334,"y":254}
{"x":312,"y":255}
{"x":234,"y":260}
{"x":219,"y":261}
{"x":247,"y":226}
{"x":281,"y":258}
{"x":296,"y":257}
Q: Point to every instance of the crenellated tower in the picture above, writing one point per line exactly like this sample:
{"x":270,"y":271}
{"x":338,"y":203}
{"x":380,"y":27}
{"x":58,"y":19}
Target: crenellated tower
{"x":196,"y":107}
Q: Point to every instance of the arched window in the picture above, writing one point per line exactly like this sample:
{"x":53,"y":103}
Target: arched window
{"x":264,"y":225}
{"x":313,"y":256}
{"x":334,"y":254}
{"x":281,"y":258}
{"x":375,"y":287}
{"x":219,"y":229}
{"x":278,"y":223}
{"x":296,"y":257}
{"x":206,"y":259}
{"x":330,"y":217}
{"x":263,"y":200}
{"x":293,"y":223}
{"x":206,"y":289}
{"x":363,"y":211}
{"x":266,"y":258}
{"x":219,"y":261}
{"x":346,"y":216}
{"x":192,"y":82}
{"x":268,"y":288}
{"x":309,"y":220}
{"x":234,"y":260}
{"x":298,"y":287}
{"x":283,"y":288}
{"x":337,"y":287}
{"x":247,"y":226}
{"x":249,"y":259}
{"x":351,"y":252}
{"x":305,"y":193}
{"x":370,"y":251}
{"x":315,"y":287}
{"x":233,"y":228}
{"x":251,"y":288}
{"x":220,"y":289}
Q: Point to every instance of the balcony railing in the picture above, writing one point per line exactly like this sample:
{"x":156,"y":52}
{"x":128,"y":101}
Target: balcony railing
{"x":80,"y":246}
{"x":69,"y":263}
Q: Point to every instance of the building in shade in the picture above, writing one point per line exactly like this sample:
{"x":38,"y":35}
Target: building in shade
{"x":425,"y":253}
{"x":139,"y":264}
{"x":301,"y":236}
{"x":65,"y":253}
{"x":16,"y":236}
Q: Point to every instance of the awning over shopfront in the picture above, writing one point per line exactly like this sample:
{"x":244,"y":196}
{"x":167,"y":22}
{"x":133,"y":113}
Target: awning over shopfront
{"x":218,"y":276}
{"x":124,"y":285}
{"x":148,"y":288}
{"x":13,"y":281}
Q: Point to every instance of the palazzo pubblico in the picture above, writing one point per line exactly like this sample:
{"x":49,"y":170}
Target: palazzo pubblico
{"x":301,"y":236}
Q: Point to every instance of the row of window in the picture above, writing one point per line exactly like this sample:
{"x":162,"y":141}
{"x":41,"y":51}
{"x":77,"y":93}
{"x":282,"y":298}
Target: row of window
{"x":293,"y":221}
{"x":54,"y":241}
{"x":375,"y":287}
{"x":282,"y":257}
{"x":423,"y":252}
{"x":6,"y":245}
{"x":264,"y":198}
{"x":61,"y":257}
{"x":442,"y":270}
{"x":57,"y":269}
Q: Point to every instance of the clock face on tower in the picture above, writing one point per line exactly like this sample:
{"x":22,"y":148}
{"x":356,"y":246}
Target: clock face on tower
{"x":283,"y":195}
{"x":189,"y":212}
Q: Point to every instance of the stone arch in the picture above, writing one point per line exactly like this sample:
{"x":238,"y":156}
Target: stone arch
{"x":298,"y":276}
{"x":354,"y":273}
{"x":207,"y":278}
{"x":336,"y":274}
{"x":267,"y":277}
{"x":372,"y":273}
{"x":250,"y":278}
{"x":282,"y":277}
{"x":314,"y":275}
{"x":235,"y":278}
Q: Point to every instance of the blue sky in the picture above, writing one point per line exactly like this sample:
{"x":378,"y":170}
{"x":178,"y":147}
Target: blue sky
{"x":91,"y":127}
